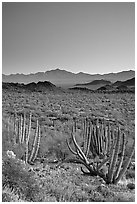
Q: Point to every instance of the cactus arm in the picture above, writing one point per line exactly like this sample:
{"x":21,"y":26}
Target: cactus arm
{"x":110,"y":162}
{"x":34,"y":143}
{"x":27,"y":138}
{"x":123,"y":170}
{"x":79,"y":151}
{"x":103,"y":162}
{"x":106,"y":140}
{"x":109,"y":139}
{"x":37,"y":145}
{"x":92,"y":148}
{"x":20,"y":129}
{"x":95,"y":140}
{"x":91,"y":172}
{"x":114,"y":161}
{"x":106,"y":158}
{"x":102,"y":140}
{"x":92,"y":143}
{"x":98,"y":136}
{"x":73,"y":152}
{"x":84,"y":127}
{"x":89,"y":140}
{"x":85,"y":136}
{"x":15,"y":128}
{"x":121,"y":158}
{"x":24,"y":127}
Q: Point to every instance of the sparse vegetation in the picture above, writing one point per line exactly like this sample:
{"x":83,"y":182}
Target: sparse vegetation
{"x":105,"y":145}
{"x":54,"y":176}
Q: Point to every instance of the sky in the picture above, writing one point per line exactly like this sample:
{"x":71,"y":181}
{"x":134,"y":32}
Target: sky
{"x":90,"y":37}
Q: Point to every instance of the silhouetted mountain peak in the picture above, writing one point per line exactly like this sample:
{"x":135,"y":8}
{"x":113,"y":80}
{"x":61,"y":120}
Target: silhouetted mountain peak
{"x":63,"y":77}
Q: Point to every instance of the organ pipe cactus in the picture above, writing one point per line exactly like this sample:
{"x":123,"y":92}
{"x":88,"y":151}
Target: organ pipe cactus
{"x":104,"y":144}
{"x":22,"y":133}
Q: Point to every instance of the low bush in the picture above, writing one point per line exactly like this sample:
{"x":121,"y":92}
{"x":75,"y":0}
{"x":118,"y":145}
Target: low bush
{"x":130,"y":174}
{"x":54,"y":143}
{"x":15,"y":175}
{"x":9,"y":195}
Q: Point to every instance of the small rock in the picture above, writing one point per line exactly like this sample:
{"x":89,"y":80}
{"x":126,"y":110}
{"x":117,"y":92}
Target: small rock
{"x":11,"y":154}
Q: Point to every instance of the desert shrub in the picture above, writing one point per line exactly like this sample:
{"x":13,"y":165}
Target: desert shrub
{"x":130,"y":174}
{"x":54,"y":143}
{"x":124,"y":197}
{"x":131,"y":186}
{"x":96,"y":196}
{"x":9,"y":195}
{"x":71,"y":194}
{"x":64,"y":117}
{"x":15,"y":175}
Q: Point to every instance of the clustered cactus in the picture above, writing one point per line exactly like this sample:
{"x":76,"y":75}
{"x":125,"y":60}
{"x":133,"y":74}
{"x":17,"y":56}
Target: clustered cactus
{"x":107,"y":148}
{"x":22,"y":133}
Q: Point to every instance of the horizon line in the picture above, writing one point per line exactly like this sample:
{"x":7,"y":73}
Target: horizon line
{"x":67,"y":71}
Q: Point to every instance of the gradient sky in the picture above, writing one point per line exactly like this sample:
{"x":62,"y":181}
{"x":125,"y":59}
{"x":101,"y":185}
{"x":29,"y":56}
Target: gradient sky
{"x":91,"y":37}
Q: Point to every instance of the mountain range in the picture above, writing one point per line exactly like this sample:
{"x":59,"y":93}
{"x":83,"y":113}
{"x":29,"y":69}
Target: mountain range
{"x":65,"y":78}
{"x":128,"y":86}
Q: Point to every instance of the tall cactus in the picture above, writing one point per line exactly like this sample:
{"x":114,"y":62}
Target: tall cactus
{"x":104,"y":143}
{"x":22,"y":137}
{"x":34,"y":143}
{"x":27,"y":138}
{"x":37,"y":145}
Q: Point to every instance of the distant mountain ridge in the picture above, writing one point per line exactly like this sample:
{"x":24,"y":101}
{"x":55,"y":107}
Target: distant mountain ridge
{"x":95,"y":82}
{"x":129,"y":82}
{"x":40,"y":86}
{"x":63,"y":77}
{"x":120,"y":85}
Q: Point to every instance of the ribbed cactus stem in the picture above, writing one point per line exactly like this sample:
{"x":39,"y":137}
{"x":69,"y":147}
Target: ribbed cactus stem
{"x":86,"y":152}
{"x":121,"y":158}
{"x":73,"y":152}
{"x":103,"y":162}
{"x":102,"y":140}
{"x":110,"y":162}
{"x":79,"y":151}
{"x":34,"y":143}
{"x":126,"y":164}
{"x":105,"y":159}
{"x":104,"y":143}
{"x":84,"y":126}
{"x":20,"y":129}
{"x":109,"y":139}
{"x":92,"y":143}
{"x":106,"y":139}
{"x":85,"y":136}
{"x":37,"y":145}
{"x":15,"y":128}
{"x":95,"y":139}
{"x":112,"y":135}
{"x":23,"y":128}
{"x":115,"y":157}
{"x":98,"y":137}
{"x":27,"y":138}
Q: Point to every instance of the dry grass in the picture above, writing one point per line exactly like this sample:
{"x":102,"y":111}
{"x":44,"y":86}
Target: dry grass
{"x":67,"y":182}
